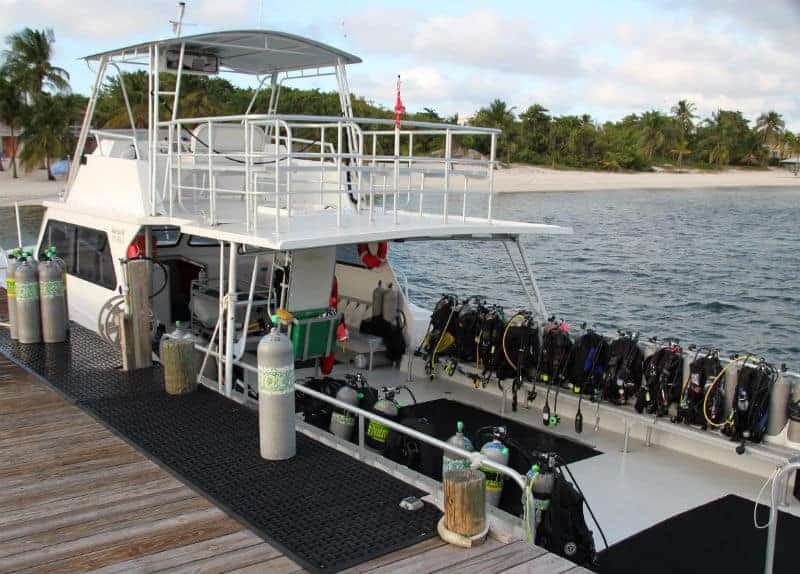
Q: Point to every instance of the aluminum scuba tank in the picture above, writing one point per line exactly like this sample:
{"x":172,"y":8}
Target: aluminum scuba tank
{"x":343,"y":422}
{"x":452,"y":461}
{"x":377,"y":433}
{"x":391,"y":301}
{"x":11,"y":291}
{"x":26,"y":276}
{"x":497,"y":452}
{"x":793,"y":432}
{"x":778,"y":405}
{"x":543,"y":483}
{"x":377,"y":299}
{"x":276,"y":412}
{"x":53,"y":304}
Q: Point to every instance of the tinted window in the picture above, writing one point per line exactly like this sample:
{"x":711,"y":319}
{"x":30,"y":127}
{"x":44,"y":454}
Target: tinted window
{"x":166,"y":236}
{"x":197,"y":241}
{"x":85,"y":252}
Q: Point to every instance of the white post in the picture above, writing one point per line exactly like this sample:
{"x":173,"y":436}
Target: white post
{"x":339,"y":174}
{"x":231,"y":318}
{"x":19,"y":225}
{"x":221,"y":319}
{"x":492,"y":155}
{"x":448,"y":143}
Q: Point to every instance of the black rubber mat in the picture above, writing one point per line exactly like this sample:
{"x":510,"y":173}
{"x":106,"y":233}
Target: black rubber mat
{"x":715,"y":537}
{"x":444,"y":414}
{"x":322,"y":508}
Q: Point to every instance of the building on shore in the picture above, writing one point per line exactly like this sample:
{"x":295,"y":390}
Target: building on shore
{"x":7,"y":141}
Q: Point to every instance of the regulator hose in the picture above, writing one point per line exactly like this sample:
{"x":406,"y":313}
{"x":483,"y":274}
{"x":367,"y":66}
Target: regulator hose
{"x":714,"y":383}
{"x":520,"y":315}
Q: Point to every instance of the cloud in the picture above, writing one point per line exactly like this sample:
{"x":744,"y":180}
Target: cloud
{"x":95,"y":20}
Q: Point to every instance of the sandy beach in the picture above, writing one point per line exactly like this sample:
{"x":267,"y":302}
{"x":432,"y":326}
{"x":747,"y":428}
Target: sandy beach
{"x":31,"y":186}
{"x":517,"y":178}
{"x":520,"y":178}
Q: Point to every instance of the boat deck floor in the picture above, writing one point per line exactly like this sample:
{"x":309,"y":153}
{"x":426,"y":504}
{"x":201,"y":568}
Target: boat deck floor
{"x":76,"y":498}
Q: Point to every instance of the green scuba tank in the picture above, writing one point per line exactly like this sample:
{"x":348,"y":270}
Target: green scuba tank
{"x":452,"y":461}
{"x":498,"y":452}
{"x":377,"y":433}
{"x":343,"y":422}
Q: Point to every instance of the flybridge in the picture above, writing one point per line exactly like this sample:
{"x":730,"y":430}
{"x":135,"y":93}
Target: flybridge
{"x":274,"y":179}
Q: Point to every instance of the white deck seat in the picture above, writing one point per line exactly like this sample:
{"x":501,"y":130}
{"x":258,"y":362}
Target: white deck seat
{"x":354,"y":311}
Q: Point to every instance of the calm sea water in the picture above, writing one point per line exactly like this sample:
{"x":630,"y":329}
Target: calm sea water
{"x":717,"y":267}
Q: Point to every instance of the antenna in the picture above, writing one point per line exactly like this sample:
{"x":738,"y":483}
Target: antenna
{"x":178,"y":24}
{"x":260,"y":12}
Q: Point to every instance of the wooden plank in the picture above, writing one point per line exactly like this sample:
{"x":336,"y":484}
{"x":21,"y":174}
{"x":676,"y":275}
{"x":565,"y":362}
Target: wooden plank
{"x":220,"y":563}
{"x":497,"y":560}
{"x":184,"y":554}
{"x":45,"y":433}
{"x":545,"y":564}
{"x":107,"y":522}
{"x":96,"y":490}
{"x":102,"y":548}
{"x":84,"y":502}
{"x":108,"y":461}
{"x":436,"y":558}
{"x":397,"y":556}
{"x":83,"y":455}
{"x":280,"y":565}
{"x":25,"y":526}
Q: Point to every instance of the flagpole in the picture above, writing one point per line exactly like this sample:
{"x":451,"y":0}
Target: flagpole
{"x":399,"y":109}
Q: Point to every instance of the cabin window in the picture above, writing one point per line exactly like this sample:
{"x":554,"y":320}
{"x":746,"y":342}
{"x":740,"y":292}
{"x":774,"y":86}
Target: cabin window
{"x":85,"y":252}
{"x":166,"y":236}
{"x":198,"y":241}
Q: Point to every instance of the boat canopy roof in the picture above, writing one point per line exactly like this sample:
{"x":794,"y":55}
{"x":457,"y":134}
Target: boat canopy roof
{"x":255,"y":52}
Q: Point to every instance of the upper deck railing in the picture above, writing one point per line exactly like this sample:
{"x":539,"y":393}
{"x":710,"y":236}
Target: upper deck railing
{"x":283,"y":166}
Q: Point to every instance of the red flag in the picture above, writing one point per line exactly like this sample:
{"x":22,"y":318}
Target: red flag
{"x":399,"y":108}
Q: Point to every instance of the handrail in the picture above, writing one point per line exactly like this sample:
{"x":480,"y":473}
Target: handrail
{"x":475,"y":458}
{"x":334,"y":119}
{"x":772,"y":532}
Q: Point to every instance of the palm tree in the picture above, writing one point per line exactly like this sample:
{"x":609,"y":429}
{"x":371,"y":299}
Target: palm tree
{"x":770,"y":125}
{"x":45,"y":133}
{"x":500,"y":116}
{"x":680,"y":151}
{"x":12,"y":112}
{"x":683,"y":111}
{"x":28,"y":62}
{"x":653,"y":132}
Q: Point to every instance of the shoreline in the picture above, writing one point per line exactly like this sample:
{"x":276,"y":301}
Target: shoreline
{"x":34,"y":186}
{"x":535,"y":179}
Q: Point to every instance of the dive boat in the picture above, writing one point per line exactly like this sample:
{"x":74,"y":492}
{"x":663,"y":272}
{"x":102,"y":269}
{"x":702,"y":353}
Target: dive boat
{"x":256,"y":218}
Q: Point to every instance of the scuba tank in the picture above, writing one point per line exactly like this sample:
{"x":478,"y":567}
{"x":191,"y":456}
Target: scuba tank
{"x":585,"y":370}
{"x":556,"y":349}
{"x":343,"y":422}
{"x":543,"y":476}
{"x":452,"y":461}
{"x":52,"y":300}
{"x":496,"y":451}
{"x":26,"y":276}
{"x":387,"y":407}
{"x":751,"y":403}
{"x":377,"y":299}
{"x":391,"y":304}
{"x":520,"y":346}
{"x":276,"y":396}
{"x":623,"y":373}
{"x":466,"y":331}
{"x":11,"y":291}
{"x":702,"y":372}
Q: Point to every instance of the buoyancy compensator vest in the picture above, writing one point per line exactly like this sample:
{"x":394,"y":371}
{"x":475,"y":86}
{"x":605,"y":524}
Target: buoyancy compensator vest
{"x":587,"y":363}
{"x":521,"y":351}
{"x":662,"y":381}
{"x":556,"y":346}
{"x":315,"y":411}
{"x":623,"y":373}
{"x":563,"y":529}
{"x":466,"y":330}
{"x":439,"y":339}
{"x":751,"y":403}
{"x":415,"y":454}
{"x":702,"y":371}
{"x":490,"y":339}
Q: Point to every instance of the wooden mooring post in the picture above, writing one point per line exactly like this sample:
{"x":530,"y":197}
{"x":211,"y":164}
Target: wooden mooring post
{"x":464,"y":520}
{"x":135,"y":332}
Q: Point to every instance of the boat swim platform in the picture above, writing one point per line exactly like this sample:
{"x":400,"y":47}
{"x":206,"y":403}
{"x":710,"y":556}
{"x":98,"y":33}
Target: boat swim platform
{"x":80,"y":496}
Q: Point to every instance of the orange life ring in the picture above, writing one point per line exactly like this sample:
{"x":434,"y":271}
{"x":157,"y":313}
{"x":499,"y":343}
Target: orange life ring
{"x":370,"y":259}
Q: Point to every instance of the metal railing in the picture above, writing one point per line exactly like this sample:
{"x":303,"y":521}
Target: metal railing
{"x":476,"y":458}
{"x":283,"y":165}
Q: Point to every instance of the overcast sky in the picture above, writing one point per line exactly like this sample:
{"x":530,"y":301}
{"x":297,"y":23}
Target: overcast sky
{"x":574,"y":56}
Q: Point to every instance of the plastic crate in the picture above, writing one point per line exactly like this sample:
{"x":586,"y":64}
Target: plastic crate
{"x":312,"y":334}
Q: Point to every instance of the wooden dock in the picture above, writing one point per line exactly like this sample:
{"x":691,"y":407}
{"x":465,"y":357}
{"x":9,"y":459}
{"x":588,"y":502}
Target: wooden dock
{"x":76,"y":498}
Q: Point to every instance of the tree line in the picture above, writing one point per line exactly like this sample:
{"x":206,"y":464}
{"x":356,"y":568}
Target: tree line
{"x":36,"y":103}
